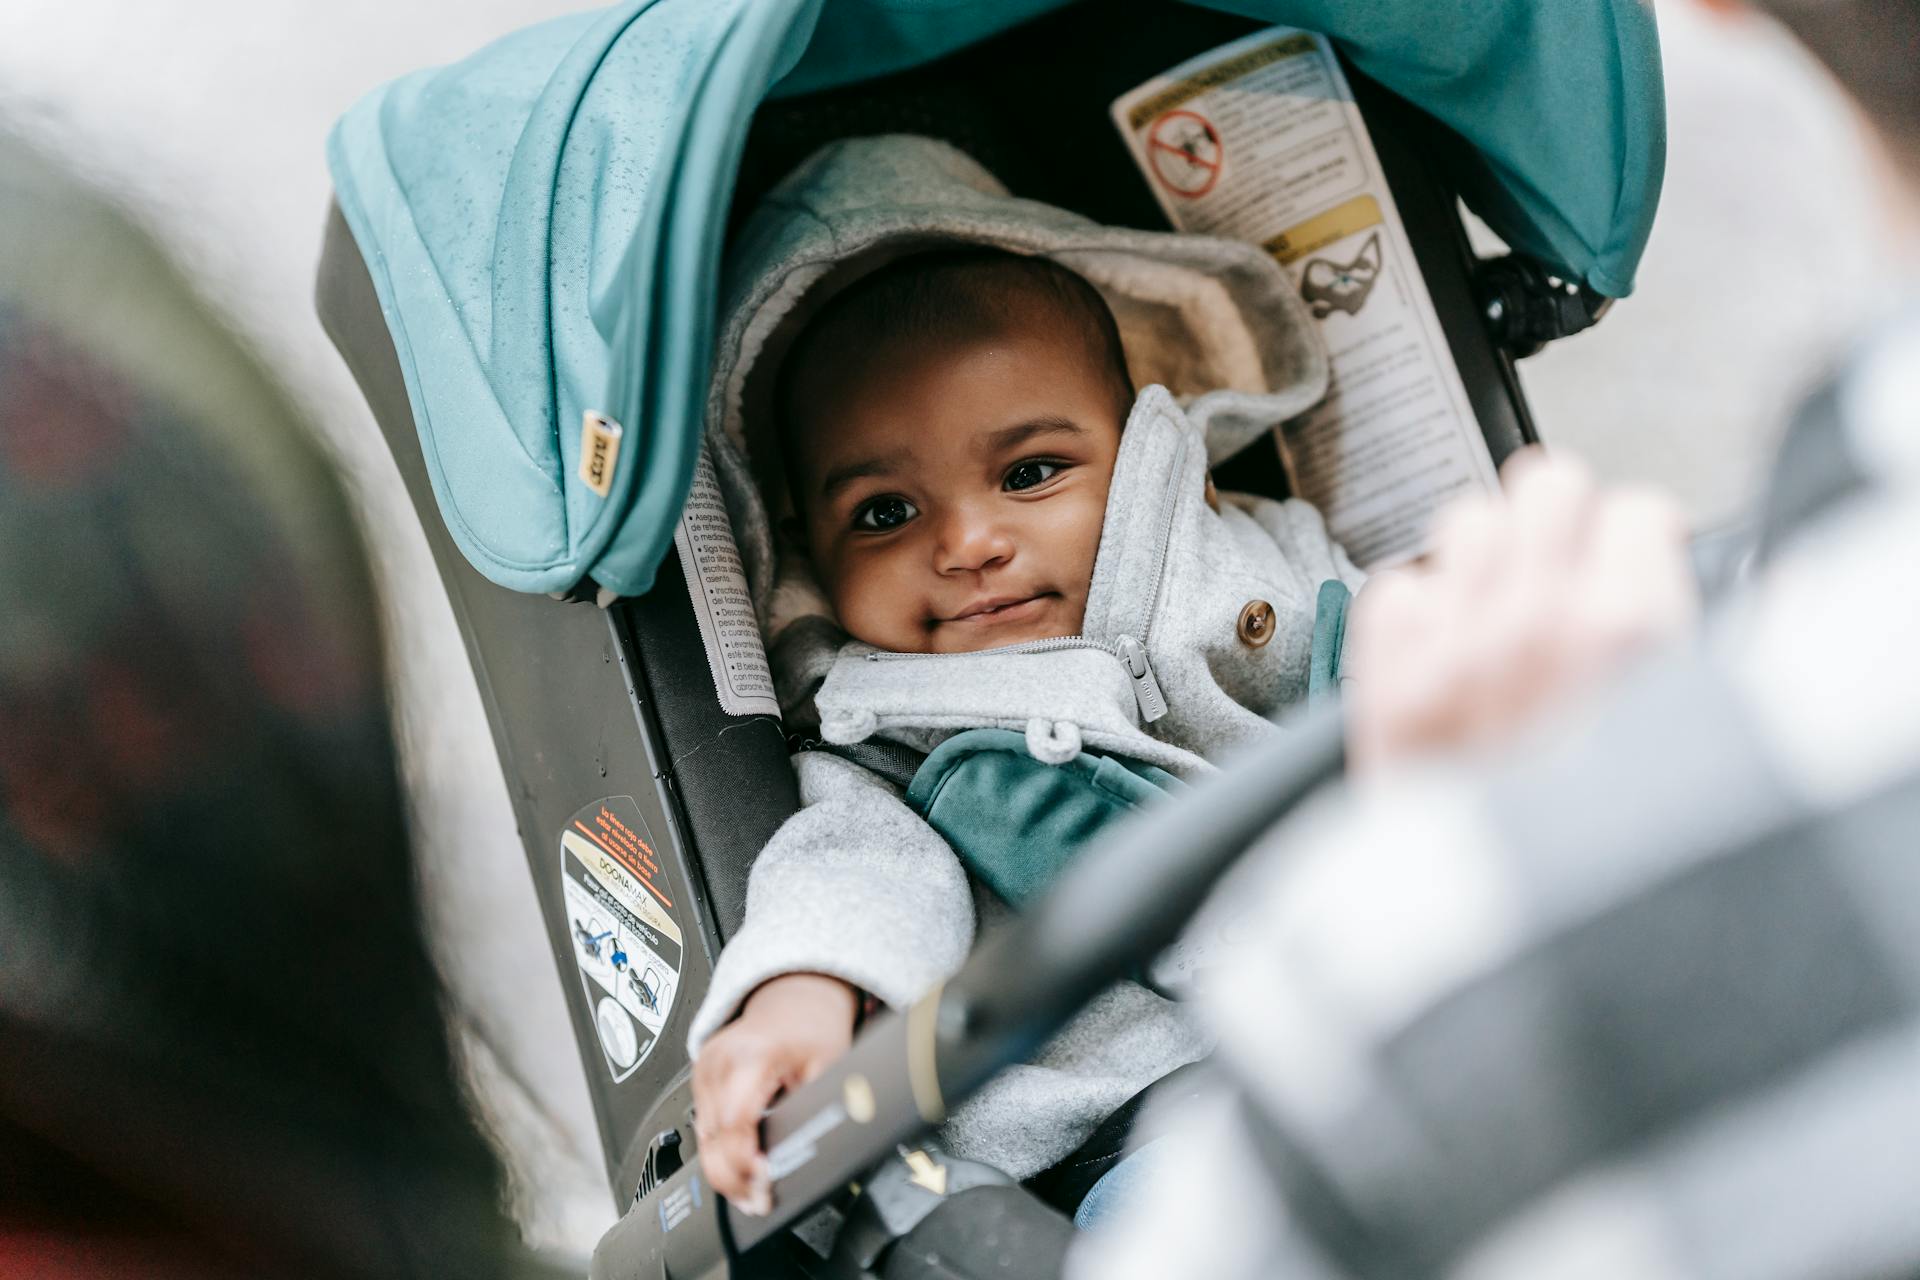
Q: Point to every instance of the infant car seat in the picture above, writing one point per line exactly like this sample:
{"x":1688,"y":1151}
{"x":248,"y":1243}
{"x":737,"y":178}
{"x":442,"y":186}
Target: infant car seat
{"x":616,"y":749}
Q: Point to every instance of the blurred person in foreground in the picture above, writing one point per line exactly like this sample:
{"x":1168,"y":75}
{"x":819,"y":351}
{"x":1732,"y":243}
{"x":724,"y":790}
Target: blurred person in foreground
{"x":221,"y":1051}
{"x":1603,"y":968}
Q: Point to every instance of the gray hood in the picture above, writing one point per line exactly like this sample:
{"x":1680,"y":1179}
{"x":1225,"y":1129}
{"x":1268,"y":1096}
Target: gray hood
{"x":1215,"y":321}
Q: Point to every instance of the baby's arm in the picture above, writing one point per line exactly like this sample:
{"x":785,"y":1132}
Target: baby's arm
{"x":855,"y":893}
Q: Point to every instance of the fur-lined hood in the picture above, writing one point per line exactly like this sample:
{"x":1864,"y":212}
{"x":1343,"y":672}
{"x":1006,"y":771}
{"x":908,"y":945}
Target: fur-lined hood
{"x":1215,"y":321}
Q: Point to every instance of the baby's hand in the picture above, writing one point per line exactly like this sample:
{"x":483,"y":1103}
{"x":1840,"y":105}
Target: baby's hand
{"x":788,"y":1031}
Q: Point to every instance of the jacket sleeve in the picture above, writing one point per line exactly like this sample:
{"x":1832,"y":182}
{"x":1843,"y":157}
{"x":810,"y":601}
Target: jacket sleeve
{"x":855,"y":885}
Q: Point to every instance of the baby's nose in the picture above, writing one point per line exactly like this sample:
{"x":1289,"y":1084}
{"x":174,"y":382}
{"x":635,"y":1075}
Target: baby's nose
{"x":971,"y":540}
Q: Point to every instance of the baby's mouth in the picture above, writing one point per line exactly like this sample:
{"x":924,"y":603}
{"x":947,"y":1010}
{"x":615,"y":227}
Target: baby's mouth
{"x":998,"y":609}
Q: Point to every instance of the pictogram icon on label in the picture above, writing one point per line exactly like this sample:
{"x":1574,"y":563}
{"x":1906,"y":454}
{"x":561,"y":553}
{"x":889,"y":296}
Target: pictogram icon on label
{"x":617,"y":1036}
{"x":627,"y":942}
{"x":1186,"y":153}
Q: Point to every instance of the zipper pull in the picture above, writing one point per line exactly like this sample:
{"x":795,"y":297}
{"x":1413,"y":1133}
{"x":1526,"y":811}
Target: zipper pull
{"x":1146,"y":690}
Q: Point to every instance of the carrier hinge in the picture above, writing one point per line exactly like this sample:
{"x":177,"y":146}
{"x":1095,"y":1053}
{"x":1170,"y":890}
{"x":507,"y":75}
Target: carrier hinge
{"x":1528,"y":304}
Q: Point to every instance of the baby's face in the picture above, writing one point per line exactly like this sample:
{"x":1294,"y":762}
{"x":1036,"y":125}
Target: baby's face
{"x":954,"y":496}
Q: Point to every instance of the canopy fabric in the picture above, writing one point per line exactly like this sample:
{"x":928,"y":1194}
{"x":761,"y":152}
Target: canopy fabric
{"x":1564,"y":103}
{"x":544,"y":220}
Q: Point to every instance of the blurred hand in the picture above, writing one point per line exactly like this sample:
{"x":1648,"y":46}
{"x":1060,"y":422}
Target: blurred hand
{"x":788,"y":1031}
{"x":1526,"y":599}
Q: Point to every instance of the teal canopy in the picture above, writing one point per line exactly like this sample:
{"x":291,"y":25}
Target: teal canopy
{"x":544,"y":220}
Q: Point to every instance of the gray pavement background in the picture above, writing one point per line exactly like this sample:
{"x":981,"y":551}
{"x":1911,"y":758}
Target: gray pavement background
{"x":206,"y":118}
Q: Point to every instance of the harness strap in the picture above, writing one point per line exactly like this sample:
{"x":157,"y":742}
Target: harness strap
{"x":893,"y":761}
{"x":1329,"y":640}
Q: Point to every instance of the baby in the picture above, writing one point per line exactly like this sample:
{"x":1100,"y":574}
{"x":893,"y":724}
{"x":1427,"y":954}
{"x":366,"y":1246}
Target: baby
{"x":970,"y":470}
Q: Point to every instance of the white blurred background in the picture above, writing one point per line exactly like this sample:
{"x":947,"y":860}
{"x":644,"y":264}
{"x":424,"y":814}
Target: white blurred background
{"x":207,"y":118}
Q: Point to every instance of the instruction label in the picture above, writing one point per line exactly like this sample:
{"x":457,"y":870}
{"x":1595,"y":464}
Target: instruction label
{"x":1260,"y":140}
{"x":723,"y":605}
{"x":627,"y":941}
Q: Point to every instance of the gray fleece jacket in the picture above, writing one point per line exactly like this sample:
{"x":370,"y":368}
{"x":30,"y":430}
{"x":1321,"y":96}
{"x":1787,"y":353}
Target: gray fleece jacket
{"x":855,"y":884}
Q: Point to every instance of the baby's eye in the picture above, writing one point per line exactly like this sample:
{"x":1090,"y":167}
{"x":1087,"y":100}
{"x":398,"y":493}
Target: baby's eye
{"x":878,"y":515}
{"x":1025,"y":475}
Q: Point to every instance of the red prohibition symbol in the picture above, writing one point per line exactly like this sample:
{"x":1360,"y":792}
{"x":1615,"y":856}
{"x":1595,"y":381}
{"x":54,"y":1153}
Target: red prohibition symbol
{"x":1186,"y":153}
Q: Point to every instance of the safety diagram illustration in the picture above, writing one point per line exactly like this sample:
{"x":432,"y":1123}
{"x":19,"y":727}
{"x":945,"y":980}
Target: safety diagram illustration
{"x":627,"y":945}
{"x":1328,"y":286}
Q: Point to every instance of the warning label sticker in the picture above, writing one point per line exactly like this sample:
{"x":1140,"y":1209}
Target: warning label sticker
{"x":1260,"y":140}
{"x":627,"y":943}
{"x":723,"y":605}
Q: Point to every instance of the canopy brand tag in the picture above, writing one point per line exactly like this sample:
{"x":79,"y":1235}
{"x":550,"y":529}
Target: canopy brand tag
{"x":599,"y":451}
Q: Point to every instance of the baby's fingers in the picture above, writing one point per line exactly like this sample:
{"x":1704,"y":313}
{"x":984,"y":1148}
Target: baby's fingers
{"x":720,"y":1160}
{"x":731,"y":1130}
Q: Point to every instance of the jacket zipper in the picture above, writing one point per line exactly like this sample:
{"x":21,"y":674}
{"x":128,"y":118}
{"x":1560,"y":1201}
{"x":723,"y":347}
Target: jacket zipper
{"x":1169,"y":499}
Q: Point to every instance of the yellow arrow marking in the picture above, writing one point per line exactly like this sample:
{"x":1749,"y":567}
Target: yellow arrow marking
{"x":925,"y":1173}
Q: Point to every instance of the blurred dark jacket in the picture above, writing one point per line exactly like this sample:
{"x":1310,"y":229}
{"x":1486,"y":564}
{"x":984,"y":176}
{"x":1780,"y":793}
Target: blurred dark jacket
{"x":221,"y":1049}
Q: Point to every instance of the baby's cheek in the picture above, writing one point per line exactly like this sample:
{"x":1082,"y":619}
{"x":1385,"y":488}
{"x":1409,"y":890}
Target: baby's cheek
{"x":875,"y":608}
{"x":1074,"y":619}
{"x":1079,"y":541}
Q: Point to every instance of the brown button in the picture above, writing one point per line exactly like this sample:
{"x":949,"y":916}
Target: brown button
{"x":1256,"y":623}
